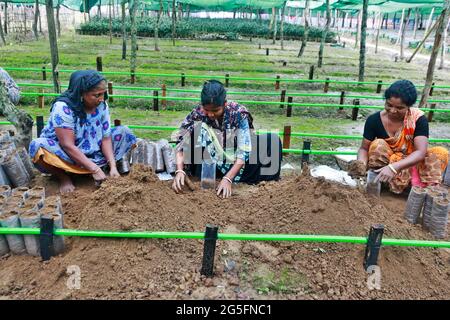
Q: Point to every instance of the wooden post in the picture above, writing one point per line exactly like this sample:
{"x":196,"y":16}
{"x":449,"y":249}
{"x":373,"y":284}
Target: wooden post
{"x":326,"y":86}
{"x":286,"y":138}
{"x":227,"y":80}
{"x":282,"y":98}
{"x":99,"y":64}
{"x":267,"y":51}
{"x":163,"y":101}
{"x":41,"y":99}
{"x":284,"y":63}
{"x":289,"y":107}
{"x":133,"y":78}
{"x":110,"y":91}
{"x":44,"y":73}
{"x":259,"y":46}
{"x":155,"y":101}
{"x":117,"y":122}
{"x":342,"y":99}
{"x":432,"y":106}
{"x":183,"y":80}
{"x":355,"y":110}
{"x":277,"y":83}
{"x":311,"y":72}
{"x":380,"y":83}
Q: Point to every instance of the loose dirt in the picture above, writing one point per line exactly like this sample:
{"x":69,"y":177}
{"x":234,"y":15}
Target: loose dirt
{"x":169,"y":269}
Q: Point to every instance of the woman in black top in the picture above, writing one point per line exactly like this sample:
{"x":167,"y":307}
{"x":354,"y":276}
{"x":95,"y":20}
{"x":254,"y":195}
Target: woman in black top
{"x":395,"y":143}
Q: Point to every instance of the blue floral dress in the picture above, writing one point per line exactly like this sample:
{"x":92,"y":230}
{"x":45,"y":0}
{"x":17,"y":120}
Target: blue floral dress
{"x":89,"y":133}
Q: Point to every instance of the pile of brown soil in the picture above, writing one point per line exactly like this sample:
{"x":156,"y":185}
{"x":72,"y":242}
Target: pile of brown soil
{"x":169,"y":268}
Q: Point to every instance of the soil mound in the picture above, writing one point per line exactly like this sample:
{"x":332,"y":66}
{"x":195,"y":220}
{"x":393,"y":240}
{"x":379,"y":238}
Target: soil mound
{"x":168,"y":268}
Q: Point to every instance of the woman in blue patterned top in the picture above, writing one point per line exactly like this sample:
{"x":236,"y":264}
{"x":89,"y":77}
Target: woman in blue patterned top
{"x":78,"y":137}
{"x":225,"y":136}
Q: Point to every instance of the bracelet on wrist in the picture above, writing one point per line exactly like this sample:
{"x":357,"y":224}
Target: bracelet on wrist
{"x":180,"y":171}
{"x":392,"y":168}
{"x":228,"y":179}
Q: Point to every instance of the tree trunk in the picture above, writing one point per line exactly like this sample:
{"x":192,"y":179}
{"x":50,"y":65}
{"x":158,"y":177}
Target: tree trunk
{"x":25,"y":31}
{"x":36,"y":19}
{"x":133,"y":11}
{"x":362,"y":49}
{"x":158,"y":20}
{"x":21,"y":120}
{"x":174,"y":20}
{"x":394,"y":20}
{"x":306,"y":31}
{"x":99,"y":10}
{"x":444,"y":48}
{"x":53,"y":43}
{"x":430,"y":19}
{"x":275,"y":27}
{"x":402,"y":37}
{"x":40,"y":24}
{"x":110,"y":20}
{"x":271,"y":22}
{"x":380,"y":22}
{"x":416,"y":23}
{"x":124,"y":32}
{"x":282,"y":26}
{"x":58,"y":22}
{"x":324,"y":34}
{"x":434,"y":53}
{"x":358,"y":28}
{"x":6,"y":18}
{"x":402,"y":23}
{"x":2,"y":35}
{"x":343,"y":20}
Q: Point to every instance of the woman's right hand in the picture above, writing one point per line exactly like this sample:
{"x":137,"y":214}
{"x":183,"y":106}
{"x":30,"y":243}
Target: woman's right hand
{"x":99,"y":175}
{"x":178,"y":182}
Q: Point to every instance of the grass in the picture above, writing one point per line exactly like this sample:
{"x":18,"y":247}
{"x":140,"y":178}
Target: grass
{"x":238,"y":58}
{"x":283,"y":281}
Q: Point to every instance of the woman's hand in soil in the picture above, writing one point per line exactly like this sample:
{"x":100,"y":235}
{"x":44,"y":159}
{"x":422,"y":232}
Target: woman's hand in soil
{"x":113,"y":173}
{"x":357,"y":168}
{"x":98,"y":174}
{"x":385,"y":174}
{"x":178,"y":182}
{"x":224,"y":188}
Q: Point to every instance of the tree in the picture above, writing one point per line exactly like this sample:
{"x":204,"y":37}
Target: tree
{"x":443,"y":22}
{"x":133,"y":11}
{"x":158,"y":21}
{"x":275,"y":26}
{"x":282,"y":25}
{"x":324,"y":34}
{"x":305,"y":32}
{"x":444,"y":48}
{"x":53,"y":43}
{"x":2,"y":35}
{"x":21,"y":120}
{"x":124,"y":32}
{"x":36,"y":19}
{"x":174,"y":20}
{"x":58,"y":22}
{"x":362,"y":49}
{"x":402,"y":37}
{"x":110,"y":21}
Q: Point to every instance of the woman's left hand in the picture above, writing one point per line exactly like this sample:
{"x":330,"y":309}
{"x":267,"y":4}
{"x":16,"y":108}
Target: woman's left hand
{"x":224,"y":188}
{"x":113,"y":173}
{"x":385,"y":174}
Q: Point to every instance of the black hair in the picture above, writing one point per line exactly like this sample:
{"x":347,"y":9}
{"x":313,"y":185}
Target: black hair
{"x":403,"y":89}
{"x":213,"y":92}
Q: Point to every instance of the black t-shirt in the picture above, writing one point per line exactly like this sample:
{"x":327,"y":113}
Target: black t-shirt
{"x":374,"y":128}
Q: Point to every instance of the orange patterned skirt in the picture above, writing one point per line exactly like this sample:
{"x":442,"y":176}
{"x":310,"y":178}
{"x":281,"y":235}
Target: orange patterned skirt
{"x":430,"y":170}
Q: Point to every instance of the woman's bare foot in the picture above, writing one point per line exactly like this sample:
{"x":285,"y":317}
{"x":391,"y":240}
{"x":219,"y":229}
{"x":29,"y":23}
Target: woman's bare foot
{"x":66,"y":185}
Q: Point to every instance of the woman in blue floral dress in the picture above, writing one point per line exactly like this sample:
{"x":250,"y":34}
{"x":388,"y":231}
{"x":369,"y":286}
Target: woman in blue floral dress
{"x":78,"y":137}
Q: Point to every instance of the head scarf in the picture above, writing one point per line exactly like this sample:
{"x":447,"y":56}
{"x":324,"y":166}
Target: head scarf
{"x":80,"y":82}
